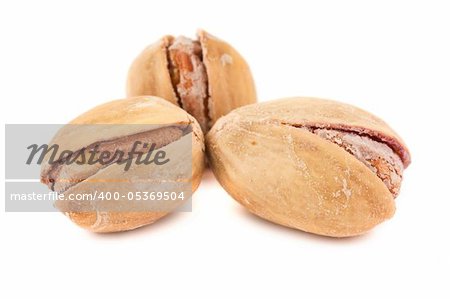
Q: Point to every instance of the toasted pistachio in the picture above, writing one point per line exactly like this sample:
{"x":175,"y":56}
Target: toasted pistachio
{"x":140,"y":128}
{"x":206,"y":77}
{"x":316,"y":165}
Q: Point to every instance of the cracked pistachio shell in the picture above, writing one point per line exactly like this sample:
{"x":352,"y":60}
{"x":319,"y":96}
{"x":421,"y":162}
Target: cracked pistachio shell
{"x":290,"y":176}
{"x":229,"y":77}
{"x":230,"y":83}
{"x":140,"y":112}
{"x":149,"y":73}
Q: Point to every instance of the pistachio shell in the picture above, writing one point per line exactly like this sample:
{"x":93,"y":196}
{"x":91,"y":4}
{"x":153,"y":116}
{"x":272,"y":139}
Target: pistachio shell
{"x":83,"y":179}
{"x":265,"y":159}
{"x":106,"y":218}
{"x":149,"y":73}
{"x":229,"y":80}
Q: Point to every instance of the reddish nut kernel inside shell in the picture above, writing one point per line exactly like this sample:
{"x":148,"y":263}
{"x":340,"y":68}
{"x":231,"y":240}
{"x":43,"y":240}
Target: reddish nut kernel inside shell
{"x":189,"y":78}
{"x":378,"y":156}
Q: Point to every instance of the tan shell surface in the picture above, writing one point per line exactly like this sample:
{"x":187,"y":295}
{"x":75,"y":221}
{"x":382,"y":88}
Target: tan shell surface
{"x":141,"y":112}
{"x":149,"y":73}
{"x":104,"y":217}
{"x":230,"y":81}
{"x":295,"y":178}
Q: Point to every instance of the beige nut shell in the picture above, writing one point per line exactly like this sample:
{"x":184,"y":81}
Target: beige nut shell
{"x":295,"y":178}
{"x":149,"y":73}
{"x":230,"y":82}
{"x":143,"y":110}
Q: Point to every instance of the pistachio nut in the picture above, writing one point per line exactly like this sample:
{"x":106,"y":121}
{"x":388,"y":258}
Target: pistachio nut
{"x":206,"y":77}
{"x":106,"y":147}
{"x":315,"y":165}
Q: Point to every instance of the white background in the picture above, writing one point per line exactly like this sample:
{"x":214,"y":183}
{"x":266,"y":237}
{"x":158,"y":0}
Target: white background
{"x":58,"y":59}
